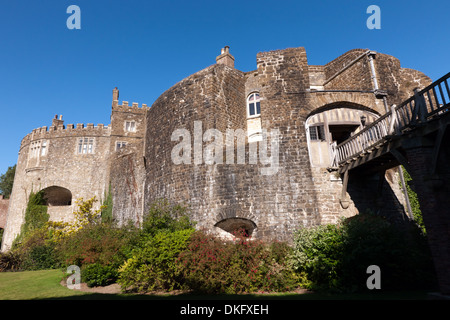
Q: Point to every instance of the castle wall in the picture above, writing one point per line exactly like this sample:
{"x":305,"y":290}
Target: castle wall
{"x":270,"y":189}
{"x":61,"y":165}
{"x":127,"y":162}
{"x":4,"y":204}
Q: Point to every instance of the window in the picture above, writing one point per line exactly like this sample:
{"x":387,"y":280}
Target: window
{"x":37,"y":148}
{"x":85,"y":145}
{"x":120,"y":144}
{"x":253,"y":105}
{"x":130,"y":126}
{"x":44,"y":148}
{"x":316,"y":133}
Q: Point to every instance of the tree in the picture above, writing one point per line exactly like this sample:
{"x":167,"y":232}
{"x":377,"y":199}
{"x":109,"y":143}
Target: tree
{"x":6,"y":181}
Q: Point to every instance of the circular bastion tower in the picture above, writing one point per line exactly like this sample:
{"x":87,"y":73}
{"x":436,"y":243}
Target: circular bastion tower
{"x":280,"y":175}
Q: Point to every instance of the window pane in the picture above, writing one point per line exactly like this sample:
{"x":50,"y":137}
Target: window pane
{"x":258,"y":108}
{"x":252,"y":98}
{"x":251,"y":107}
{"x":257,"y":96}
{"x":313,"y":133}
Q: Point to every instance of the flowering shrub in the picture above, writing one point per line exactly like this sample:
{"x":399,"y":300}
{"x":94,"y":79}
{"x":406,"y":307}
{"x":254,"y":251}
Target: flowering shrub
{"x":82,"y":217}
{"x":212,"y":265}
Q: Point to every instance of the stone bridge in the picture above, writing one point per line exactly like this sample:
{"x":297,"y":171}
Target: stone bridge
{"x":415,"y":134}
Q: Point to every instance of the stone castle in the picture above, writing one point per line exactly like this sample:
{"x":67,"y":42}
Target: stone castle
{"x":145,"y":153}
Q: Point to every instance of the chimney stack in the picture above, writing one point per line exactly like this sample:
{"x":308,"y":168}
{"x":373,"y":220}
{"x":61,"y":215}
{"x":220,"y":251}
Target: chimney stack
{"x":115,"y":99}
{"x":57,"y":122}
{"x":225,"y":57}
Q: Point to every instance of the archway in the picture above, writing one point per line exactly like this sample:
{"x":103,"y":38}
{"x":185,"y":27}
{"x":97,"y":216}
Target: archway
{"x":329,"y":126}
{"x":57,"y":196}
{"x":237,"y":226}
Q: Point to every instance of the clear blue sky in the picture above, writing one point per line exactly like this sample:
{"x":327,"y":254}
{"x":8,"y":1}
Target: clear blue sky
{"x":144,"y":47}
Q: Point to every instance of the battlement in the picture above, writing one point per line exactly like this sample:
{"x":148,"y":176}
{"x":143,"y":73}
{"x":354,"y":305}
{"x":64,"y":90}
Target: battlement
{"x":71,"y":130}
{"x":125,"y":107}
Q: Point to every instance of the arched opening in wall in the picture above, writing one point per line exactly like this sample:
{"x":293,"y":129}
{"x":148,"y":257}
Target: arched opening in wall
{"x":57,"y":196}
{"x":328,"y":127}
{"x":237,"y":226}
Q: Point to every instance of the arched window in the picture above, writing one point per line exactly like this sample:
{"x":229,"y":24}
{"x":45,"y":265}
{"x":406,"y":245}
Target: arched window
{"x":253,"y":105}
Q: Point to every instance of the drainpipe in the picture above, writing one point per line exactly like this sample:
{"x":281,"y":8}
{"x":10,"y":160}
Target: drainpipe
{"x":370,"y":55}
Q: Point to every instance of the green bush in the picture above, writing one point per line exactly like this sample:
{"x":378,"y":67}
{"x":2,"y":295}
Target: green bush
{"x":212,"y":265}
{"x":10,"y":261}
{"x":153,"y":266}
{"x":336,"y":257}
{"x":99,"y":275}
{"x":36,"y":216}
{"x":164,"y":216}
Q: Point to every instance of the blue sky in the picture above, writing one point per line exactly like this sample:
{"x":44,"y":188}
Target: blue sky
{"x":144,"y":47}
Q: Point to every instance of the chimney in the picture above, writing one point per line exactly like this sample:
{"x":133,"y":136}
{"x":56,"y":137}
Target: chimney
{"x":115,"y":101}
{"x":57,"y":122}
{"x":225,"y":57}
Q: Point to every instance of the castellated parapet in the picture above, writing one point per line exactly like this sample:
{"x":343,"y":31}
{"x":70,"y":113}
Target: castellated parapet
{"x":70,"y":162}
{"x":310,"y":109}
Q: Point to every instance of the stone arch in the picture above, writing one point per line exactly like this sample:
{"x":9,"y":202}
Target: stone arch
{"x":356,"y":99}
{"x":56,"y":196}
{"x":236,"y":224}
{"x":330,"y":125}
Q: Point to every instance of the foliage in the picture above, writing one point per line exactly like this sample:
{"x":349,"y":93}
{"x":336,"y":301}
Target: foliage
{"x":36,"y":216}
{"x":212,"y":265}
{"x":101,"y":243}
{"x":7,"y":181}
{"x":82,"y":217}
{"x":166,"y":217}
{"x":336,"y":257}
{"x":107,"y":206}
{"x":413,"y":200}
{"x":10,"y":261}
{"x":317,"y":253}
{"x":97,"y":274}
{"x":153,"y":267}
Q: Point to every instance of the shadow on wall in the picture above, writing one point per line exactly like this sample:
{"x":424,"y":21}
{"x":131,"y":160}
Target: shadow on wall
{"x":373,"y":193}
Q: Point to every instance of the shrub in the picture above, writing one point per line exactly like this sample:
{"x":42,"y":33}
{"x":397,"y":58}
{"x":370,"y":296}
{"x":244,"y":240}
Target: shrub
{"x":153,"y":266}
{"x":99,"y":275}
{"x":36,"y":216}
{"x":336,"y":257}
{"x":10,"y":261}
{"x":102,"y":243}
{"x":166,"y":217}
{"x":211,"y":265}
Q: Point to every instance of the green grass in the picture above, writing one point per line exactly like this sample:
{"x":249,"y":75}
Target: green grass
{"x":45,"y":284}
{"x":29,"y":285}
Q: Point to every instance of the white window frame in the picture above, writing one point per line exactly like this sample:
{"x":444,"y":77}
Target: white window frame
{"x":85,"y":145}
{"x":44,"y":147}
{"x":256,"y":101}
{"x":130,"y":126}
{"x":120,"y":144}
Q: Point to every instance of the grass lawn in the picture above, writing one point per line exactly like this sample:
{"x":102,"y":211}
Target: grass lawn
{"x":45,"y":284}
